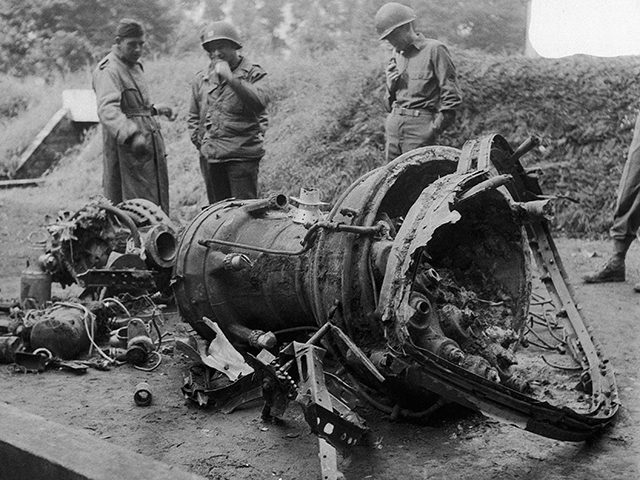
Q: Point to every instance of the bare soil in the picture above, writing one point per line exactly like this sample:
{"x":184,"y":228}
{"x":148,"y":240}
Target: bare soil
{"x":455,"y":445}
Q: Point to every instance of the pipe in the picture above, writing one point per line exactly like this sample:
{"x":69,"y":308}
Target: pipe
{"x":525,"y":147}
{"x":125,"y":218}
{"x":275,"y":202}
{"x":489,"y":184}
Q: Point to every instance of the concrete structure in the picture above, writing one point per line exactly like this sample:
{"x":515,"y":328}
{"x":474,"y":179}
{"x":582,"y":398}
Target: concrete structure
{"x":39,"y":449}
{"x":64,"y":130}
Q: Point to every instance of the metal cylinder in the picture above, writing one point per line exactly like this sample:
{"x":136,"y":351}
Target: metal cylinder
{"x":287,"y":286}
{"x":346,"y":268}
{"x":271,"y":294}
{"x":35,"y":284}
{"x":160,"y":245}
{"x":142,"y":395}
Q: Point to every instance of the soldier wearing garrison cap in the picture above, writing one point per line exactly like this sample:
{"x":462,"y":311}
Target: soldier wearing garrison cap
{"x":134,"y":160}
{"x":227,"y":117}
{"x":422,"y":93}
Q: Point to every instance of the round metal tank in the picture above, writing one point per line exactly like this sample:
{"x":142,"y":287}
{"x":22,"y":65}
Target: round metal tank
{"x":268,"y":294}
{"x":286,"y":285}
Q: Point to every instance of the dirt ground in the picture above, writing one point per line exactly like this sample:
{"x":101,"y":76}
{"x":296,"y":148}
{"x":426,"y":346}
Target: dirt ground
{"x":459,"y":445}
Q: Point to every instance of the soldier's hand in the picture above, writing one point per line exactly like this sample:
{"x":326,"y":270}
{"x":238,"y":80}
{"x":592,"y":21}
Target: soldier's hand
{"x":223,"y":70}
{"x":140,"y":145}
{"x":392,"y":74}
{"x":166,"y":111}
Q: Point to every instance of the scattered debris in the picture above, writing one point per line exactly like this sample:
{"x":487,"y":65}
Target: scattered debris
{"x":413,"y":292}
{"x":418,"y":282}
{"x":66,"y":335}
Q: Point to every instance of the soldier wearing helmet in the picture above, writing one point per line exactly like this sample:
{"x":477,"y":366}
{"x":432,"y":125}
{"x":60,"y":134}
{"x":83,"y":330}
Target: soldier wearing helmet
{"x":422,"y":94}
{"x":227,"y":117}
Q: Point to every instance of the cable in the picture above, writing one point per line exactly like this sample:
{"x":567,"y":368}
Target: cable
{"x":118,"y":303}
{"x":560,"y":367}
{"x":153,"y":320}
{"x":149,"y":369}
{"x":307,"y":241}
{"x":155,"y":311}
{"x":207,"y":243}
{"x":87,"y":315}
{"x":284,"y":331}
{"x":549,"y":329}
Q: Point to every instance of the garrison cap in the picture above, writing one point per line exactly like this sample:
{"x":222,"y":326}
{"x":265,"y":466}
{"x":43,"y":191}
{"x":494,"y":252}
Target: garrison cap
{"x":128,"y":27}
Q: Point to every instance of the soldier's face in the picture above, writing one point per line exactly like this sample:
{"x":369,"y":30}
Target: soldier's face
{"x":400,"y":38}
{"x":222,"y":50}
{"x":130,"y":48}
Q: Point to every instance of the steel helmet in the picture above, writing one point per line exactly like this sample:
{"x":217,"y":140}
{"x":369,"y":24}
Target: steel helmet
{"x":221,"y":31}
{"x":391,"y":16}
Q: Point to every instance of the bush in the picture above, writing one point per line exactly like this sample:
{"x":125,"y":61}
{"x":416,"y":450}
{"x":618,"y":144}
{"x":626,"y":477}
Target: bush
{"x":583,"y":108}
{"x":14,"y":97}
{"x":326,"y":123}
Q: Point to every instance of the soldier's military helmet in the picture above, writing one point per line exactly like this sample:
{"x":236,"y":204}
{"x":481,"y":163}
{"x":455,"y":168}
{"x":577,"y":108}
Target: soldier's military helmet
{"x":391,"y":16}
{"x":221,"y":31}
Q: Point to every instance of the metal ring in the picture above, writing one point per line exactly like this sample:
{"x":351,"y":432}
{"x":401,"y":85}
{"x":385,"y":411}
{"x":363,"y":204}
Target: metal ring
{"x":45,"y":352}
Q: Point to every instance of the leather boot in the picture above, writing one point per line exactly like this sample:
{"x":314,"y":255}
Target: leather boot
{"x":613,"y":270}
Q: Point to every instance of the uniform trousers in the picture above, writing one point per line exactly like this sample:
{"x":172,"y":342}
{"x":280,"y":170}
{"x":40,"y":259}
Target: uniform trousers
{"x":405,"y":132}
{"x":626,"y":219}
{"x":230,"y":179}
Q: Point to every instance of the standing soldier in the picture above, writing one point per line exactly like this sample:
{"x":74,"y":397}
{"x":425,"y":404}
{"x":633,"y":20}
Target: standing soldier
{"x":227,"y":116}
{"x":626,"y":217}
{"x":422,"y":93}
{"x":135,"y":165}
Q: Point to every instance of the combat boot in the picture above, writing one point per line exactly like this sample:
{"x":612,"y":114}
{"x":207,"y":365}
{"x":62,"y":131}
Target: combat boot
{"x":612,"y":271}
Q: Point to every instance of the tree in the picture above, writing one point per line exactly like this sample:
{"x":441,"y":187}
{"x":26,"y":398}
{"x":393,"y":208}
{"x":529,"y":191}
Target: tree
{"x":326,"y":24}
{"x":496,"y":26}
{"x":37,"y":36}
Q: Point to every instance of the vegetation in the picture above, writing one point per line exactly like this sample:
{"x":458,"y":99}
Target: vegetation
{"x":327,"y":116}
{"x":55,"y":37}
{"x":48,"y":37}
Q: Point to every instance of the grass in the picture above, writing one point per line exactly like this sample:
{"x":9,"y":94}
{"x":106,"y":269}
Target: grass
{"x":326,"y":125}
{"x":25,"y":106}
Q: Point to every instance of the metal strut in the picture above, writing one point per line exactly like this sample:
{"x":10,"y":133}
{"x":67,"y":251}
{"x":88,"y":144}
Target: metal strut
{"x":495,"y":155}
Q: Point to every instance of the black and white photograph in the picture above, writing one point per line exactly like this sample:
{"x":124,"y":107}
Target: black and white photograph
{"x":319,"y":239}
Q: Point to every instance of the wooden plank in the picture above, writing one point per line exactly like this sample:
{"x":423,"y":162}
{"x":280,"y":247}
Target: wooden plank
{"x":26,"y":182}
{"x":39,"y":449}
{"x":58,"y":135}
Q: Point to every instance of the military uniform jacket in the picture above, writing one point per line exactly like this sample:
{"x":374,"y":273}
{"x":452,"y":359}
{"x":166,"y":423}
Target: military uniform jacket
{"x":427,"y":78}
{"x":228,"y":123}
{"x":124,"y":108}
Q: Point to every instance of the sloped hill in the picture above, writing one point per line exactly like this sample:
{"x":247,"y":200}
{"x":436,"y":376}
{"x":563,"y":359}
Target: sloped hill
{"x":327,"y":116}
{"x":583,"y":109}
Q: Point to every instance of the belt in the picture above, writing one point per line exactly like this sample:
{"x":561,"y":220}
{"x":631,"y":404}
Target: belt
{"x":139,"y":112}
{"x":411,"y":112}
